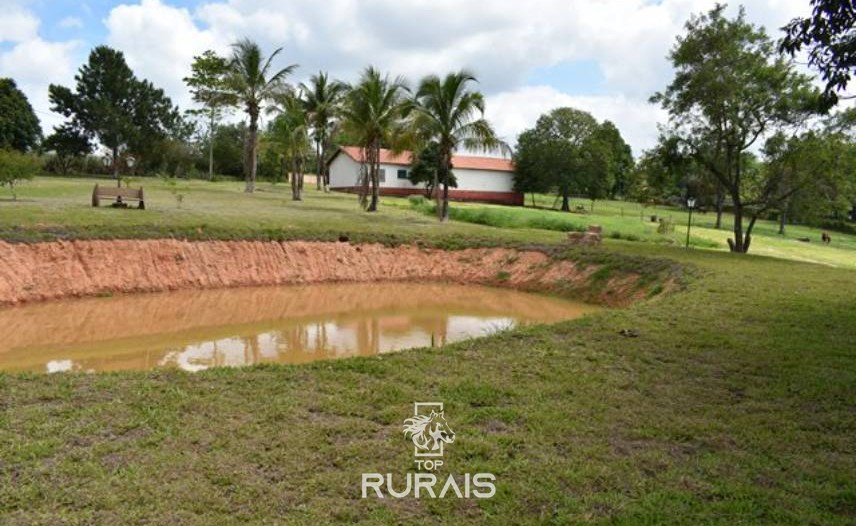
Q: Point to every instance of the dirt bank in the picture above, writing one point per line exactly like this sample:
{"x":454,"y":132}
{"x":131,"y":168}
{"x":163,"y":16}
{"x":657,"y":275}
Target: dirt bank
{"x":52,"y":270}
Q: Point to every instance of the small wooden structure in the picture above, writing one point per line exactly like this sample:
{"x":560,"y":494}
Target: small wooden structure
{"x":118,"y":194}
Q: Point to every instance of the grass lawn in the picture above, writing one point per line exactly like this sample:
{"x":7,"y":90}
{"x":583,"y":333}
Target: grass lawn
{"x":631,"y":221}
{"x":736,"y":403}
{"x":59,"y":208}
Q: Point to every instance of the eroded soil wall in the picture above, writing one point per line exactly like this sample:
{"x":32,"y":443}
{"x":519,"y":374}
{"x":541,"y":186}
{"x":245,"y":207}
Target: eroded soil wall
{"x":52,"y":270}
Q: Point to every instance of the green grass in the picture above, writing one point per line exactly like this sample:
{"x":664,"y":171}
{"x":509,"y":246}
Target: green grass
{"x":632,"y":222}
{"x":733,"y":405}
{"x":59,"y":208}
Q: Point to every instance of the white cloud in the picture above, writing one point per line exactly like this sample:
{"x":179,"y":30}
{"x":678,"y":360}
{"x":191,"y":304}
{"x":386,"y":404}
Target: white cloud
{"x":159,"y":42}
{"x":512,"y":111}
{"x":71,"y":22}
{"x":17,"y":25}
{"x":503,"y":41}
{"x":34,"y":65}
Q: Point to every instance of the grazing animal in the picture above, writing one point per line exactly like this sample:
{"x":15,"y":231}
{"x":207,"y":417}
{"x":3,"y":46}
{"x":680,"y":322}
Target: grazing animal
{"x":428,"y":431}
{"x":826,"y":238}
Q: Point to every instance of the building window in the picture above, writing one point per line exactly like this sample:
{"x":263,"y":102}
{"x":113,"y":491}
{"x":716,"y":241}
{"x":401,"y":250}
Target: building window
{"x":402,"y":174}
{"x":381,"y":175}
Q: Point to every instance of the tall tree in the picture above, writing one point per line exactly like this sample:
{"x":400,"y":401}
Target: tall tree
{"x":451,"y":115}
{"x":208,"y":87}
{"x":816,"y":172}
{"x":424,"y":169}
{"x":19,"y":126}
{"x":68,"y":145}
{"x":17,"y":166}
{"x":322,"y":100}
{"x":620,"y":158}
{"x":730,"y":89}
{"x":552,"y":155}
{"x":290,"y":130}
{"x":829,"y":36}
{"x":253,"y":83}
{"x":373,"y":115}
{"x":111,"y":105}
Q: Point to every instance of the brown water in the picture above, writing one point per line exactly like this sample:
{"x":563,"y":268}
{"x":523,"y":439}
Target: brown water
{"x":198,"y":329}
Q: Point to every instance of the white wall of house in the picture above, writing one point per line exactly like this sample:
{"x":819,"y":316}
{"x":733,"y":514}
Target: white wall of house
{"x":344,"y":172}
{"x":484,"y":180}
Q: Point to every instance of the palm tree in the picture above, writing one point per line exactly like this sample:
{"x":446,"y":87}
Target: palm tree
{"x":253,"y":85}
{"x":373,"y":114}
{"x":322,"y":100}
{"x":290,"y":129}
{"x":448,"y":114}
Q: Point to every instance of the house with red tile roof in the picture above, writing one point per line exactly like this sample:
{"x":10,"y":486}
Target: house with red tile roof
{"x":482,"y":179}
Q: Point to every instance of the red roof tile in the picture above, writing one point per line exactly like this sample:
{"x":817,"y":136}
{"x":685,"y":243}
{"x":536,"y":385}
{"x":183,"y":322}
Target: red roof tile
{"x":458,"y":161}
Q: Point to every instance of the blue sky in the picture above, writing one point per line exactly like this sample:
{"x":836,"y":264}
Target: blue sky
{"x":605,"y":57}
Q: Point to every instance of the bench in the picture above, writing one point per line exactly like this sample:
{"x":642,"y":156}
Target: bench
{"x":119,"y":195}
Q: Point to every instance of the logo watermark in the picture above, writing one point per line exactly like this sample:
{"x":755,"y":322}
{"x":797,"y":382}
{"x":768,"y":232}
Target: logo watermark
{"x":430,"y":432}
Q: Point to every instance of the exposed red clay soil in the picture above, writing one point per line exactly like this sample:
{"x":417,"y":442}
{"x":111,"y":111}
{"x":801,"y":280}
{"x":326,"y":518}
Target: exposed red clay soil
{"x":62,"y":269}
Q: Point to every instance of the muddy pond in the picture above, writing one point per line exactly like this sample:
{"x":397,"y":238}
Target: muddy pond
{"x":198,"y":329}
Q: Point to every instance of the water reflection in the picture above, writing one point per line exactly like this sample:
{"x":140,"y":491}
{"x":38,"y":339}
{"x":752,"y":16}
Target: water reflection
{"x":195,"y":330}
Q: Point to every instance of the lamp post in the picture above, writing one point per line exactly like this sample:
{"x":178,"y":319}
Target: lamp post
{"x":690,"y":205}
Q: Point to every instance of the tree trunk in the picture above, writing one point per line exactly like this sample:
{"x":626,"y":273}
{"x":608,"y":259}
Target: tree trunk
{"x":783,"y":217}
{"x":566,"y":203}
{"x":445,"y":169}
{"x":375,"y":191}
{"x":211,"y":148}
{"x":295,"y":182}
{"x":116,"y":166}
{"x":720,"y":200}
{"x":300,"y":175}
{"x":319,"y":172}
{"x":435,"y":193}
{"x":445,"y":213}
{"x":738,"y":244}
{"x":374,"y":178}
{"x":251,"y":161}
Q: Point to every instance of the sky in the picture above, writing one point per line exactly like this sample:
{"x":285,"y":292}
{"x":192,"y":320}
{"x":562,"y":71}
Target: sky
{"x":606,"y":57}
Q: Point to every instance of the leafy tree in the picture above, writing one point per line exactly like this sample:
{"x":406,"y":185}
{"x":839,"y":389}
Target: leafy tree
{"x":322,"y":100}
{"x":19,"y":126}
{"x":815,"y":170}
{"x":373,"y":116}
{"x":552,"y":155}
{"x":253,"y":84}
{"x":228,"y":146}
{"x":208,"y":87}
{"x":731,"y":88}
{"x":111,"y":105}
{"x":290,"y":130}
{"x":451,"y":115}
{"x":620,"y":158}
{"x":424,"y":169}
{"x":830,"y":39}
{"x":17,"y":166}
{"x":68,"y":145}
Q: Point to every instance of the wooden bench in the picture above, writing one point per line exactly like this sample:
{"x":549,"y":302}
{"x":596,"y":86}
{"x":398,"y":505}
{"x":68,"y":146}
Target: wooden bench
{"x":118,"y":194}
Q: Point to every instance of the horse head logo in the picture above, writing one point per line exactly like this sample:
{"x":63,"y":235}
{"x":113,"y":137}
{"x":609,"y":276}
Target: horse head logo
{"x":429,"y":432}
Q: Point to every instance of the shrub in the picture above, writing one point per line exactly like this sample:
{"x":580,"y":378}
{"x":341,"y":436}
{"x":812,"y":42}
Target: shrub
{"x":16,"y":167}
